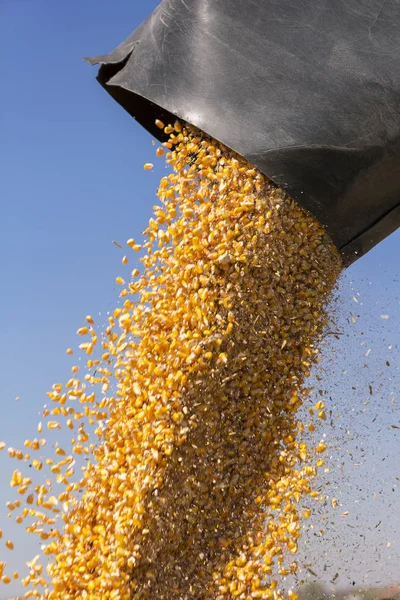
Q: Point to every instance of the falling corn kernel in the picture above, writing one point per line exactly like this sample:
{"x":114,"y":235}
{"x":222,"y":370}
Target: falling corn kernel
{"x":16,"y":478}
{"x":53,"y":425}
{"x":148,"y":166}
{"x":223,"y":358}
{"x":83,"y":331}
{"x":9,"y":545}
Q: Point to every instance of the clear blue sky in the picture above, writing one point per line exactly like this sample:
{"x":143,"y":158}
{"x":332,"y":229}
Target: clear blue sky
{"x":72,"y":181}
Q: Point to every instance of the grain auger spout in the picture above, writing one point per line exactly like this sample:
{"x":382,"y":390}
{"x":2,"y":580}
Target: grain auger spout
{"x":308,"y":92}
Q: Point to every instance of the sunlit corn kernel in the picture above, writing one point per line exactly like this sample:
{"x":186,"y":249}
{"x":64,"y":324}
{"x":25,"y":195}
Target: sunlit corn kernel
{"x":53,"y":425}
{"x":9,"y":544}
{"x":223,"y":358}
{"x":16,"y":479}
{"x":83,"y":331}
{"x":148,"y":166}
{"x":303,"y":454}
{"x":159,"y":124}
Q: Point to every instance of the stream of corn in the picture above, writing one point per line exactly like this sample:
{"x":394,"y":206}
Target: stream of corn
{"x":197,"y":467}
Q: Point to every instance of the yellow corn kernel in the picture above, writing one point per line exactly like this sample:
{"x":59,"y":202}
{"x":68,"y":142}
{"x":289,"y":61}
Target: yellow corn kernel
{"x":83,"y":331}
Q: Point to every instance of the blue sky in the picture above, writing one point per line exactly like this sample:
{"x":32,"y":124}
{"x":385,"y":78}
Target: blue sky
{"x":72,"y":181}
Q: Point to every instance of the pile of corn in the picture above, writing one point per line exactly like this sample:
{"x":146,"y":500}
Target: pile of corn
{"x":192,"y":490}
